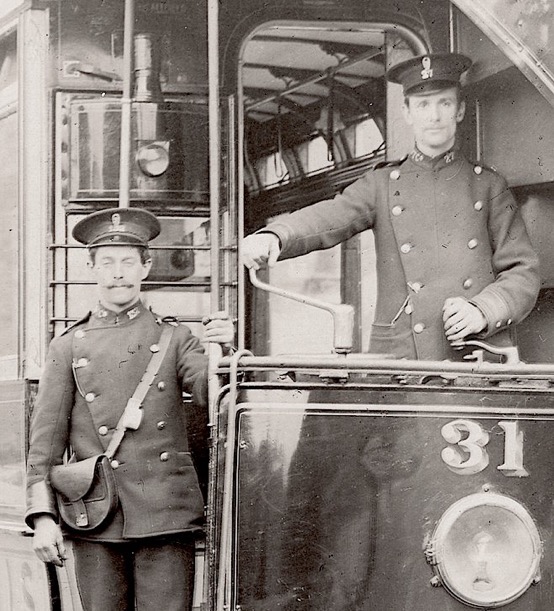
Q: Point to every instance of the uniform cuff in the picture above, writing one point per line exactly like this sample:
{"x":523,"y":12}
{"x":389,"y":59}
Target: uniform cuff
{"x":495,"y":310}
{"x":40,"y":500}
{"x":266,"y":230}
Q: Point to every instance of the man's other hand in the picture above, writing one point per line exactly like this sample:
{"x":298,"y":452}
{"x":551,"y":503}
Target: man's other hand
{"x":259,"y":249}
{"x":461,"y":319}
{"x":48,"y":540}
{"x":219,"y":329}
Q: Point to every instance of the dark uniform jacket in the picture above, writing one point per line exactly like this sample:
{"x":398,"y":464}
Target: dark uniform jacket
{"x":90,"y":373}
{"x":443,"y":227}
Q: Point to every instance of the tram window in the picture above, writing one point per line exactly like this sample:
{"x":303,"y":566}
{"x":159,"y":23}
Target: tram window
{"x":366,"y":137}
{"x":314,"y":155}
{"x":90,"y":148}
{"x":272,"y":170}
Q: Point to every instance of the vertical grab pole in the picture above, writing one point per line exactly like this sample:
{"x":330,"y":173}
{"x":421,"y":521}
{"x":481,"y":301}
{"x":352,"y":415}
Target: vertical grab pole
{"x":214,"y":351}
{"x":214,"y":149}
{"x":126,"y":105}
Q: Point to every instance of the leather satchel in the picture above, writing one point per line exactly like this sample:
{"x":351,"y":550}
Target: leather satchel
{"x":86,"y":490}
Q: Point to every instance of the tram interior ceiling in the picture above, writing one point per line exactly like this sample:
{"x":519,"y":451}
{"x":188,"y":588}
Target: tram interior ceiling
{"x":305,"y":91}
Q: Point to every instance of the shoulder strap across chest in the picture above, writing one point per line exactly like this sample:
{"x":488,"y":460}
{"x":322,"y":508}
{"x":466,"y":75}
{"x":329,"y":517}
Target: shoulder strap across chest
{"x":132,"y":416}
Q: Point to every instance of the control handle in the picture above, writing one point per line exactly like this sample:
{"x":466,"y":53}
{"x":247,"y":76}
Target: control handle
{"x":343,"y":314}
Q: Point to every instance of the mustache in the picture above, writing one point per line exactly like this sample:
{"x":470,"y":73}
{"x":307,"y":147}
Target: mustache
{"x":120,"y":285}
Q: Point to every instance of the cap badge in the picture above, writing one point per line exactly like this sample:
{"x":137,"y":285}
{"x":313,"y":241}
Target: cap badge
{"x":427,"y":71}
{"x":116,"y":223}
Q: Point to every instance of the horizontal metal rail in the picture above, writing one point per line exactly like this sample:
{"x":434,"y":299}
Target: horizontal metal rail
{"x":184,"y":318}
{"x":145,"y":283}
{"x":150,"y":247}
{"x":377,"y":363}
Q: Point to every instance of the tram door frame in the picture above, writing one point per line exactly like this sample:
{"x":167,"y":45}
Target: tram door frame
{"x":353,"y":261}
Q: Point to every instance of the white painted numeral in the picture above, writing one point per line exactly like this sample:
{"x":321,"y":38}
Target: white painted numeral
{"x":466,"y":454}
{"x":513,"y":450}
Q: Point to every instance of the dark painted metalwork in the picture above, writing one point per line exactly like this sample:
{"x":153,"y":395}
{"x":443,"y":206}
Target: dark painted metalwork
{"x":337,"y":488}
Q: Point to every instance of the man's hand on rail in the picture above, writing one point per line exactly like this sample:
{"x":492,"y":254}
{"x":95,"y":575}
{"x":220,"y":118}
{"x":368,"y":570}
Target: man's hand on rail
{"x":260,"y":249}
{"x":461,"y":319}
{"x":219,"y":329}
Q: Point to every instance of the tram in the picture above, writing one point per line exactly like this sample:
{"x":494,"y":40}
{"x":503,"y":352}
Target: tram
{"x":336,"y":480}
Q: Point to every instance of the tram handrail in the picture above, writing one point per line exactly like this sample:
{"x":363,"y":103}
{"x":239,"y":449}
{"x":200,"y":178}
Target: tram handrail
{"x":385,"y":364}
{"x":343,"y":314}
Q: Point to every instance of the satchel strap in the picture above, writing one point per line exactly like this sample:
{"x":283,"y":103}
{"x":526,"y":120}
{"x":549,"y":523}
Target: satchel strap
{"x":132,"y":415}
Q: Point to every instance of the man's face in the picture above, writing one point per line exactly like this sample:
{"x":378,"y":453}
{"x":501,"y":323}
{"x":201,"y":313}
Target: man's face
{"x":434,"y":117}
{"x":119,"y":271}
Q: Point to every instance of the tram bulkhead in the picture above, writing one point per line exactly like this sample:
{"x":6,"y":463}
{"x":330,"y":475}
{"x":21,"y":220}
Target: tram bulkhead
{"x":336,"y":480}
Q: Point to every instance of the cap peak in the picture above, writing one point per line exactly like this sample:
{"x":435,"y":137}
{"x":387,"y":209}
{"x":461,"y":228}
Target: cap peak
{"x":117,"y":227}
{"x":430,"y":71}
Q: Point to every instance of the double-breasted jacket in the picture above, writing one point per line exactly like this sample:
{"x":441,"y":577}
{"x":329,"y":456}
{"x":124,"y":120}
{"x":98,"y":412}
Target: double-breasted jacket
{"x":91,"y":371}
{"x":443,"y":228}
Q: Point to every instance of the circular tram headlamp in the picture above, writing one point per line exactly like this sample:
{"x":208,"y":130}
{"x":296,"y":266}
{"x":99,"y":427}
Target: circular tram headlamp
{"x":153,"y":159}
{"x":485,"y":550}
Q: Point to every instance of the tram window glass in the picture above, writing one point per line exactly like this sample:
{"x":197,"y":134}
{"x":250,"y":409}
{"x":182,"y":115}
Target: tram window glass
{"x":363,"y":138}
{"x":314,"y":155}
{"x":272,"y":170}
{"x":90,"y":147}
{"x":366,"y":137}
{"x":9,"y":209}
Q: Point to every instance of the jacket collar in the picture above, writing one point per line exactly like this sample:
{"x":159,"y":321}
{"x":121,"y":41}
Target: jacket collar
{"x":437,"y":162}
{"x":103,"y":316}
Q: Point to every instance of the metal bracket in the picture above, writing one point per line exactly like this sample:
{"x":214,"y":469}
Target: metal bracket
{"x":334,"y":375}
{"x":510,"y":354}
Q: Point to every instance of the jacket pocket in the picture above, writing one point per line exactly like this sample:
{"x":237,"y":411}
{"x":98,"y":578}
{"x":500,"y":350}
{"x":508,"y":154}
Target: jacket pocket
{"x":395,"y":340}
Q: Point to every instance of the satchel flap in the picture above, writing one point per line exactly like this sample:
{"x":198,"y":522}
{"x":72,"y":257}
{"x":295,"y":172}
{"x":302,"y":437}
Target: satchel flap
{"x":73,"y":480}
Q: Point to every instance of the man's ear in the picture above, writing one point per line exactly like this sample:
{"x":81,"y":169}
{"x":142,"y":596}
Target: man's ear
{"x":146,"y":266}
{"x":461,"y":112}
